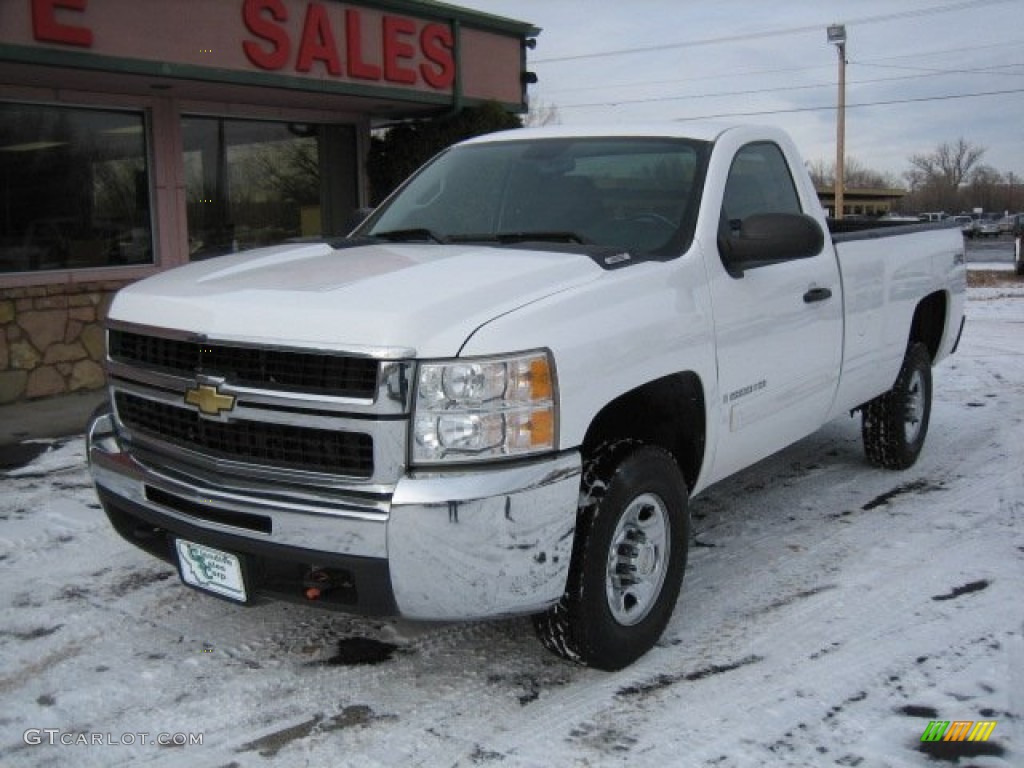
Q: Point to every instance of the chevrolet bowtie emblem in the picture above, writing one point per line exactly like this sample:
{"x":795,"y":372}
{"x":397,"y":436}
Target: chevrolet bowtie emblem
{"x":209,"y":400}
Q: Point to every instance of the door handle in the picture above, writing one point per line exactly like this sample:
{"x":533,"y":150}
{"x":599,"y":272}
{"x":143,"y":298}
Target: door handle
{"x":817,"y":294}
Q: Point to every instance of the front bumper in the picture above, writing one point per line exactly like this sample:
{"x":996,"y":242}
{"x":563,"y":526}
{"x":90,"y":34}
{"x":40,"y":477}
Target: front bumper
{"x":444,"y":545}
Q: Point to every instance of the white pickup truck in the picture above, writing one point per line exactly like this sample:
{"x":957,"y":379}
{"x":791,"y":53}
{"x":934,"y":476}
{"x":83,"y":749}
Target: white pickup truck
{"x":497,"y":395}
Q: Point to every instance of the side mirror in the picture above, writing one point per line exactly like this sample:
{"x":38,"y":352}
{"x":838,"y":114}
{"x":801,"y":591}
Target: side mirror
{"x":770,"y":238}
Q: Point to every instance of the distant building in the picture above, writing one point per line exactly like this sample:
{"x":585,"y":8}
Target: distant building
{"x":862,"y":201}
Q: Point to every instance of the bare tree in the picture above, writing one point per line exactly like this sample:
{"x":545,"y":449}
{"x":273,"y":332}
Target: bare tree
{"x":822,"y":173}
{"x":860,"y":176}
{"x":985,"y":175}
{"x":541,"y":113}
{"x":986,"y":189}
{"x":855,"y":173}
{"x":946,"y":168}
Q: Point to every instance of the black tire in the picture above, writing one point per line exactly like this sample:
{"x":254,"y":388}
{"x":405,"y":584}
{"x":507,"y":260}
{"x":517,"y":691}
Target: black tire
{"x":894,"y":425}
{"x":623,"y":584}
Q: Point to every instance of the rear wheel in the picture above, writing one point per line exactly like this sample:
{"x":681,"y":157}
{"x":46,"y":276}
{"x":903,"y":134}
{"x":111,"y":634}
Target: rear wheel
{"x":894,"y":425}
{"x":628,"y":558}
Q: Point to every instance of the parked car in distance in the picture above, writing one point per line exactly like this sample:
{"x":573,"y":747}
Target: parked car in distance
{"x":986,"y":227}
{"x":966,"y":224}
{"x":1011,"y":223}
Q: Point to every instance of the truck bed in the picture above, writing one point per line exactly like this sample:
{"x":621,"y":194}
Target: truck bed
{"x":844,"y":230}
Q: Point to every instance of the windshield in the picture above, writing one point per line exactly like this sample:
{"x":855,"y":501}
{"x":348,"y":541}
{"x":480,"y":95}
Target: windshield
{"x":635,"y":194}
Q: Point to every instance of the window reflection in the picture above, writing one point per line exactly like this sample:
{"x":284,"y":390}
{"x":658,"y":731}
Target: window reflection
{"x":251,"y":183}
{"x":74,"y":188}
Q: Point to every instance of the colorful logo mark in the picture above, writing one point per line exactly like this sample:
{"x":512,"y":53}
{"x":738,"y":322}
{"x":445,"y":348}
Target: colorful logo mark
{"x":958,"y":730}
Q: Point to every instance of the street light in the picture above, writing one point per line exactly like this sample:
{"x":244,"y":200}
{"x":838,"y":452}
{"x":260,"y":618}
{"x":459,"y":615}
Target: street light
{"x":837,"y":37}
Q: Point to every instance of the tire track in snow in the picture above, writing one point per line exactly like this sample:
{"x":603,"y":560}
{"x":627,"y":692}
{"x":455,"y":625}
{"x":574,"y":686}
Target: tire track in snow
{"x":838,"y":606}
{"x":853,"y":654}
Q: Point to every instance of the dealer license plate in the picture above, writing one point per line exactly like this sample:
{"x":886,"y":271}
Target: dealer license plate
{"x":211,"y":569}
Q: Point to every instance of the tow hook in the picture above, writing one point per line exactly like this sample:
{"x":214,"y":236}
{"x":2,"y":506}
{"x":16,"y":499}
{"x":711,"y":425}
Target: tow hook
{"x":316,"y":582}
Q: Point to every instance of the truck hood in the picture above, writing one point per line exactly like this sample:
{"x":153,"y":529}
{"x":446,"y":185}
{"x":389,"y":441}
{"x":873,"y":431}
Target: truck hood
{"x":388,"y":300}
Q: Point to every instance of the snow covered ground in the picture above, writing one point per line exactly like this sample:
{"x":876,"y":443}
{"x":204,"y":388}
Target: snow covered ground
{"x":830,"y":611}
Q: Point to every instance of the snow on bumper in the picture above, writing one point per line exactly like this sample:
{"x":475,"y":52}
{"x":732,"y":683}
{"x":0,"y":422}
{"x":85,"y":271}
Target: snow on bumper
{"x":462,"y":545}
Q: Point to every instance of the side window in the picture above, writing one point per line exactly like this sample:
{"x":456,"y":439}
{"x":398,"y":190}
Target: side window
{"x":759,"y":182}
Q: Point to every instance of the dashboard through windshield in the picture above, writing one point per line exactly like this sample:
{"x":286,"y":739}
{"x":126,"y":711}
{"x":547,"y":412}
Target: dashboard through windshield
{"x":636,"y":195}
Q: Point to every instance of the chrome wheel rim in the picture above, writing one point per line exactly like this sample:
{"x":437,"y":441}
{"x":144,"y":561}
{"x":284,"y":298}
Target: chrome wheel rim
{"x":638,"y":559}
{"x":913,"y":413}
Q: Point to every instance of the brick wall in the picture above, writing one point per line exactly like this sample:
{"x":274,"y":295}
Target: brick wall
{"x":51,"y":339}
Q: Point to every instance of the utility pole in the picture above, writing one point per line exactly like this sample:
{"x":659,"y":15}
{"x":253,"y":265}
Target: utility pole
{"x":837,"y":36}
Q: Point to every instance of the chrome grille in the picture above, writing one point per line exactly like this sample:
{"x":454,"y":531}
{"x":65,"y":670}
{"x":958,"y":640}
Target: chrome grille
{"x":254,"y":442}
{"x":328,"y":374}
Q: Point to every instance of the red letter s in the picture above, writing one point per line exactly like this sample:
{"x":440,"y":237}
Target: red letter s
{"x":46,"y":28}
{"x":436,"y":43}
{"x":276,"y":35}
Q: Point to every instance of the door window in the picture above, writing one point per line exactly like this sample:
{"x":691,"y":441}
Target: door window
{"x":759,"y":182}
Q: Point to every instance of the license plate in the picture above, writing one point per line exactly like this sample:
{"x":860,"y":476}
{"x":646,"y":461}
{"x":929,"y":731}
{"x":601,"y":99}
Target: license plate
{"x":211,"y":569}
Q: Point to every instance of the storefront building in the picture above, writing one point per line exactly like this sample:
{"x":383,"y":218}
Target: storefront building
{"x":862,"y":201}
{"x":137,"y":135}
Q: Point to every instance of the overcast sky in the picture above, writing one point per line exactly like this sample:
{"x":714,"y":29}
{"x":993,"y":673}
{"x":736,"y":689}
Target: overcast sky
{"x":915,"y":69}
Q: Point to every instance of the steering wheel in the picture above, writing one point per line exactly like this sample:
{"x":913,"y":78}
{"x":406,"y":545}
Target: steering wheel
{"x":651,"y":217}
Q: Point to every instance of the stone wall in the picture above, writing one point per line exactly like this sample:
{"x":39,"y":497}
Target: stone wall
{"x":52,"y":339}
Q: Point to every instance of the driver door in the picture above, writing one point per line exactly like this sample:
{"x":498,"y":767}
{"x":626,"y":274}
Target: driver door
{"x":778,"y":327}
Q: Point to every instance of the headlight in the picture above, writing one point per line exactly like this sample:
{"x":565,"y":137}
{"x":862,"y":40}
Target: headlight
{"x":484,"y":408}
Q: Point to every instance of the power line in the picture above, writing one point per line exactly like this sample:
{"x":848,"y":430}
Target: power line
{"x":970,"y":48}
{"x":752,"y":91}
{"x":995,"y":69}
{"x":752,"y":72}
{"x":760,"y":91}
{"x":695,"y":78}
{"x":888,"y":102}
{"x":774,"y":32}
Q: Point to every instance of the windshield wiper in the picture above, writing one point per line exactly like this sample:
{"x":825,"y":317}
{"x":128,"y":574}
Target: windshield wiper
{"x":410,"y":235}
{"x":522,"y":237}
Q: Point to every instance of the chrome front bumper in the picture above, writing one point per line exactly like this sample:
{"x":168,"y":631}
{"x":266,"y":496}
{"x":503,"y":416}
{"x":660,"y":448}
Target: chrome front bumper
{"x":455,"y":545}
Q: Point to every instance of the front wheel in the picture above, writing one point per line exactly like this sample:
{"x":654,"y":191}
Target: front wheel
{"x":895,"y":424}
{"x":628,"y":558}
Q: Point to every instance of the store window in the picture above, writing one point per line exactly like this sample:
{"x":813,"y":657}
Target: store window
{"x":74,"y":188}
{"x":253,"y":183}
